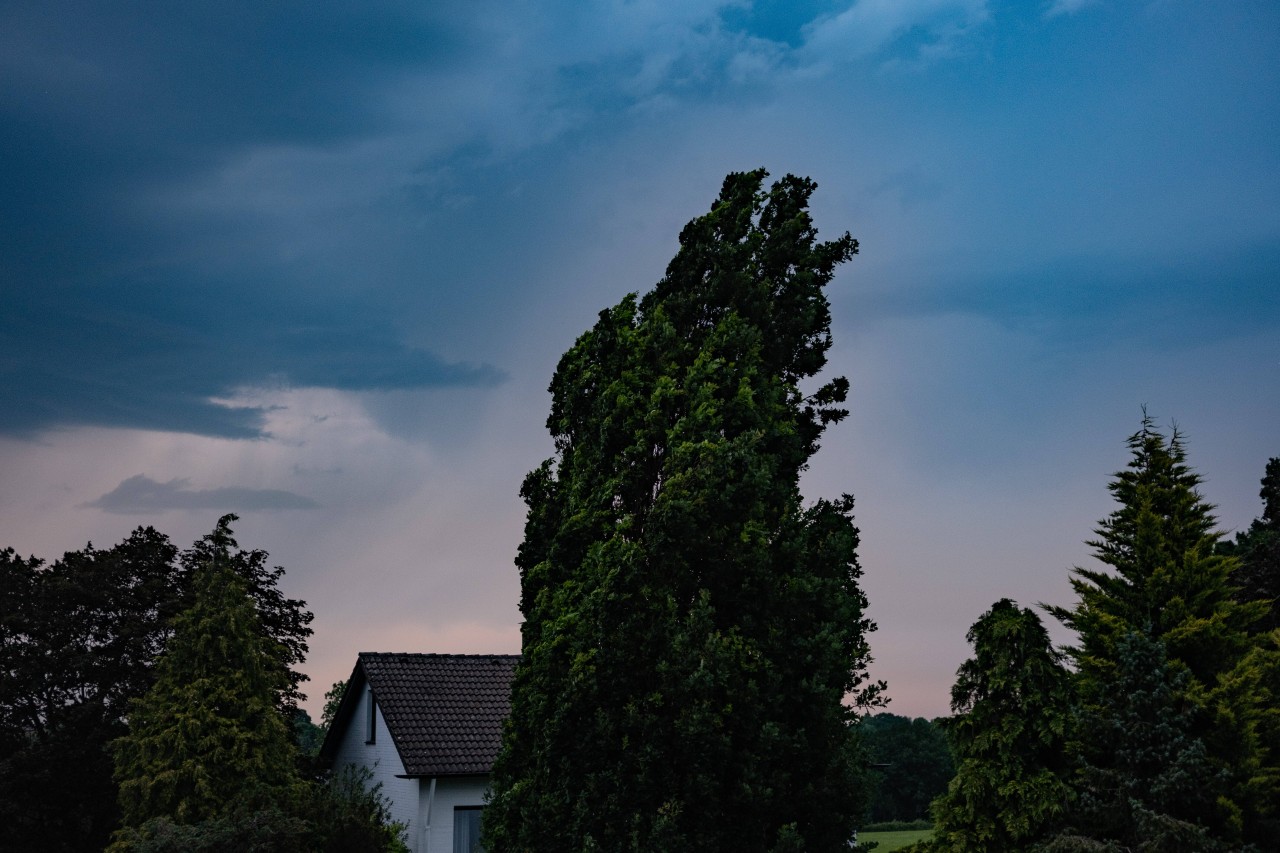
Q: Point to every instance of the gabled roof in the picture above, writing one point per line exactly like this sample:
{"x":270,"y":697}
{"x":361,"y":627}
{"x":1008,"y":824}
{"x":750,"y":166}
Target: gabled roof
{"x":444,"y":712}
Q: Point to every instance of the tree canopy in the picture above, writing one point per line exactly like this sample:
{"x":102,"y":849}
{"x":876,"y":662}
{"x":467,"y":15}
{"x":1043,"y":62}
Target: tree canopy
{"x":692,"y":630}
{"x":79,"y":640}
{"x":1258,"y":549}
{"x":207,"y":734}
{"x":912,"y":764}
{"x":1165,"y":618}
{"x":1012,"y":704}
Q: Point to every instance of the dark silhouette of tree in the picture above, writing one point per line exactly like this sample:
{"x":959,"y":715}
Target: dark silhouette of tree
{"x":78,"y":642}
{"x":1258,"y":550}
{"x":1144,"y":780}
{"x":691,"y":630}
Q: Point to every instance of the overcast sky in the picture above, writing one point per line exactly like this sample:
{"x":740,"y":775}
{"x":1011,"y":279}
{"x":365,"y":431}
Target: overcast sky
{"x":314,"y":263}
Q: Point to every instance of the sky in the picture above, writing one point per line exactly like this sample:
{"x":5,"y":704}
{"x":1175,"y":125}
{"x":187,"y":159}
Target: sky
{"x":314,"y":263}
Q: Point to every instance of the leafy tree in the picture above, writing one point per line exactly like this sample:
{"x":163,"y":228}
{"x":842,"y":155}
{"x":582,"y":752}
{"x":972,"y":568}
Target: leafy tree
{"x":912,"y":766}
{"x":332,"y":701}
{"x":691,"y":630}
{"x":307,"y":736}
{"x":1167,"y":583}
{"x":1012,"y":702}
{"x":1258,"y":550}
{"x":78,"y":642}
{"x":207,"y":737}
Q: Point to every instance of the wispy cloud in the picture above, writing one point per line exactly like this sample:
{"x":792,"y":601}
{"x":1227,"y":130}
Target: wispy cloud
{"x":140,"y":494}
{"x":1067,"y":7}
{"x":867,"y":27}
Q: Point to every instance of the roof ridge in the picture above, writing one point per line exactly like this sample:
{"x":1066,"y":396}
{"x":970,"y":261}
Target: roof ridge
{"x":438,"y":654}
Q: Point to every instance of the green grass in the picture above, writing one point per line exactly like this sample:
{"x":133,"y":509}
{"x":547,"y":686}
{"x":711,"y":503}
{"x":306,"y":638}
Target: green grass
{"x":893,"y":840}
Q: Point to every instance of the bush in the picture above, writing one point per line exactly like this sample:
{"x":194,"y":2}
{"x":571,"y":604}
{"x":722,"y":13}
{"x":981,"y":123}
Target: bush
{"x":343,"y":814}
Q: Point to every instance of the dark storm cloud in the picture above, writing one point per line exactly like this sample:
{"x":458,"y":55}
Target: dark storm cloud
{"x":1170,"y":301}
{"x":110,"y":315}
{"x":183,"y":214}
{"x":141,"y":494}
{"x":144,"y":358}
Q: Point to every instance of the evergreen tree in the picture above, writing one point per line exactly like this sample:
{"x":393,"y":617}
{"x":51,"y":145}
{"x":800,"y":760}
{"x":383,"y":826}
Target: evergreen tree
{"x":284,"y":622}
{"x":1258,"y":550}
{"x":691,"y":630}
{"x":1012,"y":702}
{"x":207,"y":737}
{"x":78,"y":642}
{"x":1166,"y":583}
{"x":1144,"y":780}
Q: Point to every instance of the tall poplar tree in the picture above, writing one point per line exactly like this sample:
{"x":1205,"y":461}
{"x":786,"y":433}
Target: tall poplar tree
{"x":1165,"y":582}
{"x":692,"y":630}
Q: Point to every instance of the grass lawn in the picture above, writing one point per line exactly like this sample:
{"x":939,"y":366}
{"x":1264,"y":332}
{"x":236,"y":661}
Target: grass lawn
{"x":894,"y":840}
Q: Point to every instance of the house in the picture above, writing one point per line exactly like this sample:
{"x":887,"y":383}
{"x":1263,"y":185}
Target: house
{"x":429,"y":728}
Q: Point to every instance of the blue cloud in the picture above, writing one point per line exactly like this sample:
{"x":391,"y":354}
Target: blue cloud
{"x":1177,"y":301}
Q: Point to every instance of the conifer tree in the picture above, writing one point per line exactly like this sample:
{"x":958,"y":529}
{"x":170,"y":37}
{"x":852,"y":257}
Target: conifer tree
{"x":1145,"y":782}
{"x":79,"y":641}
{"x":1258,"y":550}
{"x":1165,"y":582}
{"x":283,"y":622}
{"x":691,"y":629}
{"x":1012,"y":702}
{"x":207,"y":737}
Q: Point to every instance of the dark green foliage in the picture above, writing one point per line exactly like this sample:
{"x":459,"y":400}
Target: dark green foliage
{"x":1144,"y":781}
{"x":332,"y":701}
{"x":307,"y":736}
{"x":690,"y":628}
{"x":1258,"y":550}
{"x":78,"y":642}
{"x":912,"y":765}
{"x":347,"y":814}
{"x":1012,"y":702}
{"x":207,"y":738}
{"x":1168,"y":583}
{"x":269,"y":829}
{"x":284,"y":621}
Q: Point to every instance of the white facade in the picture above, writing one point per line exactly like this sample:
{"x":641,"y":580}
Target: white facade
{"x":426,"y":805}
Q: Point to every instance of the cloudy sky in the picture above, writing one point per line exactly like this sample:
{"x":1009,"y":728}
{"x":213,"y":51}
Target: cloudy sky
{"x":314,"y":263}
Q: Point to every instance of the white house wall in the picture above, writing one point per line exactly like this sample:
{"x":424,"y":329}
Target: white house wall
{"x":383,"y":760}
{"x":450,"y":793}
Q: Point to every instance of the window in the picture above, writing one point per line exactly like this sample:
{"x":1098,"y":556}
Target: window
{"x":371,"y":721}
{"x":466,"y":829}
